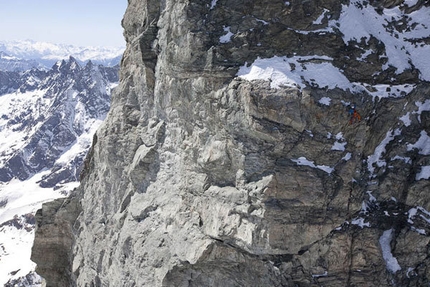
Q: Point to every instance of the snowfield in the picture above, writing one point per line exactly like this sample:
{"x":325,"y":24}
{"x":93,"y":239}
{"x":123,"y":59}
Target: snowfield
{"x":23,"y":198}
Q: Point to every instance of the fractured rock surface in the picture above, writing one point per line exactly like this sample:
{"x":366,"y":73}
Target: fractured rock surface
{"x":202,"y":178}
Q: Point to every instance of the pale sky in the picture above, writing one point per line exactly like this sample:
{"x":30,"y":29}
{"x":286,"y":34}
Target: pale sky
{"x":76,"y":22}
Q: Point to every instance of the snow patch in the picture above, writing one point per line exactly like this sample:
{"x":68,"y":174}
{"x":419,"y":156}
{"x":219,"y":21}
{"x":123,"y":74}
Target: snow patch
{"x":213,"y":4}
{"x":338,"y":146}
{"x":25,"y":196}
{"x":422,"y":106}
{"x":360,"y":222}
{"x":15,"y":252}
{"x":423,"y":213}
{"x":227,"y":37}
{"x":313,"y":71}
{"x":306,"y":162}
{"x":422,"y":144}
{"x":371,"y":197}
{"x":347,"y":156}
{"x":404,"y":159}
{"x":424,"y":173}
{"x":340,"y":143}
{"x":295,"y":72}
{"x":325,"y":101}
{"x":411,"y":3}
{"x":406,"y":119}
{"x":389,"y":91}
{"x":367,"y":53}
{"x":375,"y":158}
{"x":320,"y":18}
{"x":390,"y":261}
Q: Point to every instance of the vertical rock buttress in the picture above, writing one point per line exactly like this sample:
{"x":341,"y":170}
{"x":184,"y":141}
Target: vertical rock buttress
{"x":200,"y":178}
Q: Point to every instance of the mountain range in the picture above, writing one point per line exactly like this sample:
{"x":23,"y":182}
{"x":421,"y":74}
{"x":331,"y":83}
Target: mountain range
{"x":47,"y":120}
{"x":20,"y":55}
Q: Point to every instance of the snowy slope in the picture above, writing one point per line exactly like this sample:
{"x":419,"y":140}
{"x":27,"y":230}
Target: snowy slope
{"x":47,"y":121}
{"x":24,"y":198}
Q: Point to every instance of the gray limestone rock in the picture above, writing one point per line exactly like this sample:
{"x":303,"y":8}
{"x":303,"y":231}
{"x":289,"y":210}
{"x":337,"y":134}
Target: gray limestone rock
{"x":201,"y":178}
{"x":56,"y":227}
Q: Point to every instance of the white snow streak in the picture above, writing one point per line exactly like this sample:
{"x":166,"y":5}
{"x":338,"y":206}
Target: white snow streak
{"x":390,"y":261}
{"x":347,"y":156}
{"x":213,"y":4}
{"x":375,"y":158}
{"x":319,"y":20}
{"x":360,"y":222}
{"x":304,"y":161}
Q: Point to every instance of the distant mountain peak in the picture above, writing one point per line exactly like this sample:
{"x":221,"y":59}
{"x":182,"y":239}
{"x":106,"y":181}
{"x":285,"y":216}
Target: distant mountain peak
{"x":47,"y":54}
{"x":4,"y":55}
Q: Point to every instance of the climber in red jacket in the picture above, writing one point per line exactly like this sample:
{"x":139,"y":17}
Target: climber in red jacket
{"x":355,"y":116}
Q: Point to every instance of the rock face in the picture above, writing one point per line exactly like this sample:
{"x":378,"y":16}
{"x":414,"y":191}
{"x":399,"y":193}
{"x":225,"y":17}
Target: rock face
{"x":53,"y":245}
{"x":201,"y":177}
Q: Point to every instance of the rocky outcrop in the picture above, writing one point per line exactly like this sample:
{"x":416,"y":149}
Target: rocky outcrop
{"x":199,"y":177}
{"x":55,"y":224}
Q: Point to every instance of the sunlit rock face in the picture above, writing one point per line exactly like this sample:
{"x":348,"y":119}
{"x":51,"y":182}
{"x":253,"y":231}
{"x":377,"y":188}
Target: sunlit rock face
{"x":230,"y":158}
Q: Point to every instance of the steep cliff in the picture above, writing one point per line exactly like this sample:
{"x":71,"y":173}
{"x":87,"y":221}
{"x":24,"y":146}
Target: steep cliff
{"x":228,"y":157}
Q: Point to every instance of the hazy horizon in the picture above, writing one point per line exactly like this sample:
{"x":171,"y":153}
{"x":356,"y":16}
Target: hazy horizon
{"x":79,"y":23}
